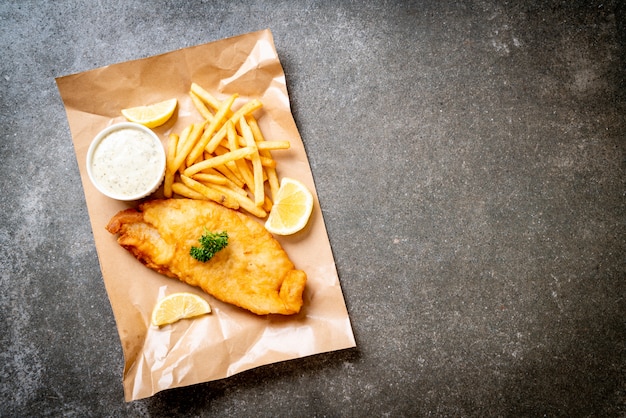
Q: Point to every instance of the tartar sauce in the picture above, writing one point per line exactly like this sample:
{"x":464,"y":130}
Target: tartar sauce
{"x":127,"y":162}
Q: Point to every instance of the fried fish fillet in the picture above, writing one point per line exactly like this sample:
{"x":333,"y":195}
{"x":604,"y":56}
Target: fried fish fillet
{"x":252,"y":272}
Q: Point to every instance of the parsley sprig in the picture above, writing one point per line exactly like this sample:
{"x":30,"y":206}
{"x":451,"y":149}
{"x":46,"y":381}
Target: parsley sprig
{"x":210,"y":243}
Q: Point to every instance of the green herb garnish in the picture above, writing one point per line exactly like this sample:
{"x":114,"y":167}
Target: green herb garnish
{"x":211,"y":244}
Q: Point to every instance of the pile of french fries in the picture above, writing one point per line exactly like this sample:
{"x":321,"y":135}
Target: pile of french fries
{"x":224,"y":158}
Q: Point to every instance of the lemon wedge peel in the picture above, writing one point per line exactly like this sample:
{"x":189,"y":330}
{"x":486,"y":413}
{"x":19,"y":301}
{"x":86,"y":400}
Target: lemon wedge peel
{"x":153,"y":115}
{"x":177,"y":306}
{"x":292,"y":208}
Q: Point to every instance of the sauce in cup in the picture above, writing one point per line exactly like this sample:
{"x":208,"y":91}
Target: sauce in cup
{"x":126,"y":161}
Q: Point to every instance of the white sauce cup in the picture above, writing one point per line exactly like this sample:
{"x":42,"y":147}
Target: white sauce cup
{"x":126,"y":161}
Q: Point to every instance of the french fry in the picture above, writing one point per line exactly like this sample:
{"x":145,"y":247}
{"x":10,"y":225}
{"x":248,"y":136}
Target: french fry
{"x":244,"y":201}
{"x":268,"y":162}
{"x":231,"y":135}
{"x":205,"y":96}
{"x":218,"y":160}
{"x":201,"y":107}
{"x":169,"y":160}
{"x":224,"y":179}
{"x":272,"y":179}
{"x":184,"y":135}
{"x":259,"y":187}
{"x":267,"y":206}
{"x":271,"y":145}
{"x":211,"y":178}
{"x":233,"y":188}
{"x":230,"y":176}
{"x":184,"y":191}
{"x":242,"y":167}
{"x":272,"y":176}
{"x":171,"y":152}
{"x":191,"y":140}
{"x":246,"y":173}
{"x":210,"y":192}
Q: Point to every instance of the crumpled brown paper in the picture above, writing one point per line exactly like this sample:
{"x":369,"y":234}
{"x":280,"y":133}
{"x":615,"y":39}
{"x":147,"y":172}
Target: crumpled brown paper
{"x":229,"y":340}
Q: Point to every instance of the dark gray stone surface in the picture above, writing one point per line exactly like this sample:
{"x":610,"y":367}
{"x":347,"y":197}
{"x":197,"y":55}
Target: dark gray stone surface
{"x":470,"y":164}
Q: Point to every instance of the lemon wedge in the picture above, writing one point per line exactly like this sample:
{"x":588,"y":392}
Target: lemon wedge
{"x":292,"y":208}
{"x":152,"y":115}
{"x":178,"y":306}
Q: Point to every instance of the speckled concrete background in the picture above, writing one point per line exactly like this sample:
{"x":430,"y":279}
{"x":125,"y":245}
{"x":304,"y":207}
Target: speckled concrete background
{"x":470,"y":164}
